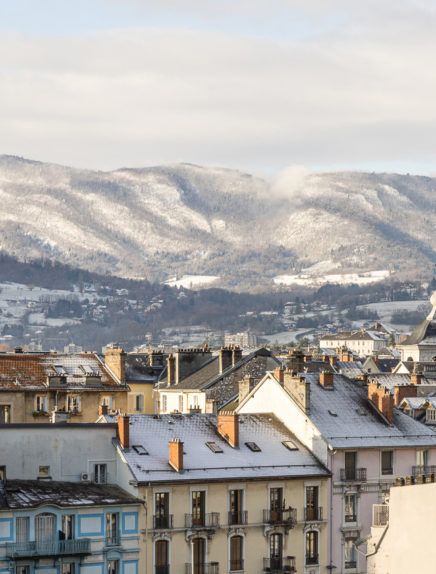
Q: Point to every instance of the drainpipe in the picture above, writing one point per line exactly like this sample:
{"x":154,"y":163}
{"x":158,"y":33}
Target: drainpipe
{"x":331,"y":566}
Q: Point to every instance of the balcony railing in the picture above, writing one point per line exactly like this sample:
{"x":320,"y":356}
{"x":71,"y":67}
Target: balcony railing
{"x":279,"y":565}
{"x":350,"y":518}
{"x":161,"y":570}
{"x":236,"y":565}
{"x":287,"y":516}
{"x":380,"y":514}
{"x":202,"y":568}
{"x":50,"y":548}
{"x":312,"y":559}
{"x":165,"y":521}
{"x":422,"y":469}
{"x":313,"y":513}
{"x":209,"y":520}
{"x":238,"y":517}
{"x":350,"y":564}
{"x":353,"y":474}
{"x":113,"y":539}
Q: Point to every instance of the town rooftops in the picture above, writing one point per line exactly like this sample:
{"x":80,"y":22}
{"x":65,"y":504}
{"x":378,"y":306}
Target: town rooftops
{"x":392,"y":380}
{"x":425,"y":332}
{"x":207,"y":456}
{"x":25,"y":371}
{"x":139,"y":369}
{"x":18,"y":494}
{"x":347,"y":419}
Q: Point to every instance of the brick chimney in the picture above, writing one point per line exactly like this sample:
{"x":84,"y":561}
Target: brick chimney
{"x":279,"y":374}
{"x":176,"y":454}
{"x":415,"y":378}
{"x":102,"y":410}
{"x":326,"y":379}
{"x":225,"y":358}
{"x":236,"y":355}
{"x":382,"y":399}
{"x":403,"y":392}
{"x":124,"y":430}
{"x":115,"y":360}
{"x":332,"y":360}
{"x":171,"y":369}
{"x":228,"y":427}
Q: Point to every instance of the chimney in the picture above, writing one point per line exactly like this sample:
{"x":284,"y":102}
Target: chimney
{"x":236,"y":355}
{"x":332,"y":360}
{"x":156,"y":359}
{"x":225,"y":358}
{"x":298,"y":388}
{"x":228,"y":427}
{"x":382,"y":400}
{"x":171,"y":369}
{"x":403,"y":392}
{"x":326,"y":379}
{"x":245,"y":385}
{"x":279,"y":374}
{"x":115,"y":360}
{"x":307,"y":358}
{"x":124,"y":430}
{"x":102,"y":410}
{"x":176,"y":454}
{"x":415,"y":378}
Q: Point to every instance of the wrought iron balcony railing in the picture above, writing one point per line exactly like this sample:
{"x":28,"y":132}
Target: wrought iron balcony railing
{"x":279,"y":565}
{"x":49,"y":548}
{"x":287,"y":516}
{"x":353,"y":474}
{"x":238,"y":517}
{"x":165,"y":521}
{"x":209,"y":520}
{"x":350,"y":518}
{"x":202,"y":568}
{"x":113,"y":539}
{"x":420,"y":469}
{"x":312,"y":559}
{"x":350,"y":564}
{"x":314,"y":513}
{"x":236,"y":565}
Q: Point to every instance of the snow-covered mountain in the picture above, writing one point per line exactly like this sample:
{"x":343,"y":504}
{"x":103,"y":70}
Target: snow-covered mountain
{"x":178,"y":220}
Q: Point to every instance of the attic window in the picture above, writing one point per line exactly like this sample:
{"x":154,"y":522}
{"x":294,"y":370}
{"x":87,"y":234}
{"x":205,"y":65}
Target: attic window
{"x":253,"y":446}
{"x":214,"y":447}
{"x":60,"y":370}
{"x":290,"y":444}
{"x":361,"y":412}
{"x":332,"y":413}
{"x":138,"y":448}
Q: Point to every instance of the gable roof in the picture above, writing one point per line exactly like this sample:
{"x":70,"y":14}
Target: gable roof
{"x":139,"y":370}
{"x":423,"y":334}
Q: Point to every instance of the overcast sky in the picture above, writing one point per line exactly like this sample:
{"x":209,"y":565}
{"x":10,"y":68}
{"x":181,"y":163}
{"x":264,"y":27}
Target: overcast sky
{"x":254,"y":84}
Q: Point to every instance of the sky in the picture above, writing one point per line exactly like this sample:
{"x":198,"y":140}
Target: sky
{"x":258,"y":85}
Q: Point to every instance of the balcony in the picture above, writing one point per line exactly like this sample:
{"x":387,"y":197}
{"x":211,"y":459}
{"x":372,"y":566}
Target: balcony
{"x":50,"y":548}
{"x":202,"y":568}
{"x":312,"y":559}
{"x":416,"y":470}
{"x":285,"y":516}
{"x":279,"y":565}
{"x":113,"y":540}
{"x":161,"y":522}
{"x":353,"y":474}
{"x":311,"y":514}
{"x":350,"y":564}
{"x":350,"y":518}
{"x":238,"y":517}
{"x":162,"y":570}
{"x":208,"y":521}
{"x":236,"y":565}
{"x":380,"y":514}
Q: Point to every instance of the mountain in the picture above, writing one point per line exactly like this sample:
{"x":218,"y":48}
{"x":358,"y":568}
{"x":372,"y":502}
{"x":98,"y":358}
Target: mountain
{"x":167,"y":221}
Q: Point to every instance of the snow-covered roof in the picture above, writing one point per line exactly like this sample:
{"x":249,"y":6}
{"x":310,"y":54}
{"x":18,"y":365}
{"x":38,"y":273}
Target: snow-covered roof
{"x":347,"y":419}
{"x":392,"y":380}
{"x":273,"y":460}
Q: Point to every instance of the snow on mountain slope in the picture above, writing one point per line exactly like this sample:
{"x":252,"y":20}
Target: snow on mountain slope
{"x":185,"y":219}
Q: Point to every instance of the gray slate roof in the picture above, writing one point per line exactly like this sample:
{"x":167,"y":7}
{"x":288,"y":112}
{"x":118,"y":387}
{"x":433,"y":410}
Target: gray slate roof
{"x":391,"y":380}
{"x":138,"y":369}
{"x":347,"y":419}
{"x":423,"y":334}
{"x":200,"y":463}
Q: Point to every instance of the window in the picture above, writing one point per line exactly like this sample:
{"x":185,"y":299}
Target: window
{"x":198,"y":507}
{"x":181,"y":403}
{"x":73,"y":403}
{"x":41,"y":403}
{"x":22,"y":528}
{"x":44,"y":471}
{"x":109,"y":402}
{"x":312,"y":503}
{"x":387,"y":457}
{"x":164,"y":403}
{"x":2,"y":473}
{"x":161,"y":554}
{"x":22,"y":569}
{"x":100,"y":473}
{"x":68,"y":527}
{"x":275,"y":551}
{"x":139,"y":403}
{"x":68,"y":568}
{"x":214,"y":447}
{"x":112,"y":528}
{"x":421,"y":458}
{"x":236,"y":553}
{"x":5,"y":414}
{"x":236,"y":514}
{"x":45,"y":524}
{"x":350,"y":465}
{"x":162,"y":510}
{"x":253,"y":446}
{"x":113,"y":567}
{"x":350,"y":508}
{"x":312,"y":547}
{"x":350,"y":554}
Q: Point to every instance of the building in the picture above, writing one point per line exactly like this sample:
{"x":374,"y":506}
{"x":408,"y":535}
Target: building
{"x":143,"y":372}
{"x":363,"y":342}
{"x":246,"y":339}
{"x":225,"y":493}
{"x":420,"y":346}
{"x":33,"y":386}
{"x":356,"y":430}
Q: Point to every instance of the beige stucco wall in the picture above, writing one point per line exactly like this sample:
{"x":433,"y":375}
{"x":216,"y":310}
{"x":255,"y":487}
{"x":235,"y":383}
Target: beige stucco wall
{"x":144,"y":390}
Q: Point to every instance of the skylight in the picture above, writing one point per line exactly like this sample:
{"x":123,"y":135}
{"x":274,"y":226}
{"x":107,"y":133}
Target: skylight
{"x":332,"y":413}
{"x":139,"y":449}
{"x":290,"y":444}
{"x":253,"y":446}
{"x":214,"y":447}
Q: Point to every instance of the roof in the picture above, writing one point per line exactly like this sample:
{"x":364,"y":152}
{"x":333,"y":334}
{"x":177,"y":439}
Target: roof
{"x":347,"y":419}
{"x":415,"y":402}
{"x":139,"y":370}
{"x":392,"y":380}
{"x":200,"y":463}
{"x":423,"y":334}
{"x":30,"y":371}
{"x":19,"y":494}
{"x":350,"y":369}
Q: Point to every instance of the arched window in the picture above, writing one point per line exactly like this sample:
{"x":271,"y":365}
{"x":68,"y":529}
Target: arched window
{"x":312,"y":547}
{"x":236,"y":553}
{"x":45,"y":527}
{"x":161,"y":557}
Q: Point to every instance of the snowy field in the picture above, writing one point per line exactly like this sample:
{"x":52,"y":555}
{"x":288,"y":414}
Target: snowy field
{"x":192,"y":281}
{"x":308,"y":278}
